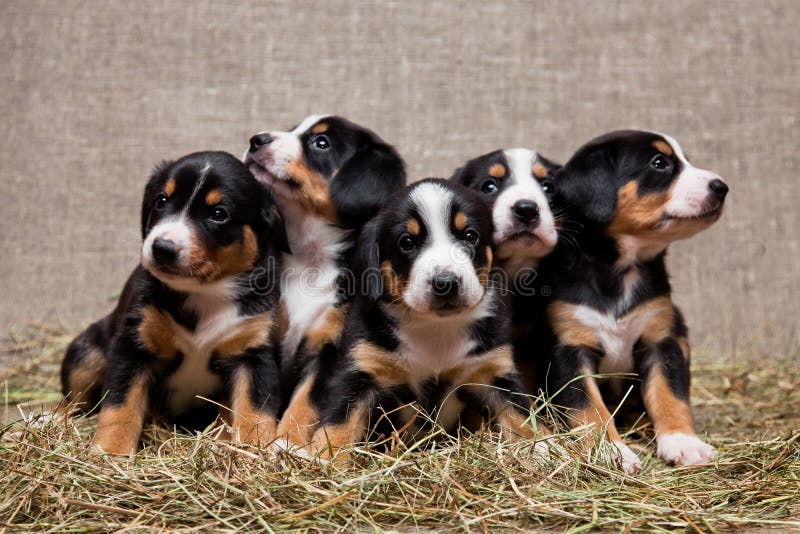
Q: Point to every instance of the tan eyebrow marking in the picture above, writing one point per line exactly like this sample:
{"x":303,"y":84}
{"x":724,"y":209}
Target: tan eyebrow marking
{"x":322,"y":127}
{"x":170,"y":188}
{"x":498,"y":170}
{"x":213,"y":197}
{"x":663,"y":147}
{"x":539,"y":170}
{"x":412,"y":225}
{"x":460,"y":220}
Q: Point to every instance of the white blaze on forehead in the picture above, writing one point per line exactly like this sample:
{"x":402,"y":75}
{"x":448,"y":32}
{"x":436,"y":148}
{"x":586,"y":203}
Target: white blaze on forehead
{"x":441,"y":252}
{"x":522,"y":186}
{"x":307,"y":123}
{"x":201,"y":179}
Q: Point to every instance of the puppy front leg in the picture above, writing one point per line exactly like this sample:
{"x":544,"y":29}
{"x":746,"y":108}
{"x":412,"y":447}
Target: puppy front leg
{"x":301,"y":418}
{"x":665,"y":391}
{"x":254,"y":398}
{"x":123,"y":411}
{"x":576,"y":389}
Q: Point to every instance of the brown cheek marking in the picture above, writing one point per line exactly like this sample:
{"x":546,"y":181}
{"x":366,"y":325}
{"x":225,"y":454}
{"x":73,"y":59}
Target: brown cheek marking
{"x":662,"y":319}
{"x":498,"y":170}
{"x":313,"y":194}
{"x":412,"y":225}
{"x":249,"y":423}
{"x":157,"y":332}
{"x":330,"y":439}
{"x":568,"y":329}
{"x":330,"y":330}
{"x":90,"y":371}
{"x":539,"y":170}
{"x":170,"y":187}
{"x":596,"y":413}
{"x":319,"y":128}
{"x":663,"y":147}
{"x":119,"y":427}
{"x":301,"y":418}
{"x":668,"y":413}
{"x":379,"y":363}
{"x":393,"y":284}
{"x":460,"y":220}
{"x":637,"y":213}
{"x":213,"y":197}
{"x":251,"y":333}
{"x":233,"y":259}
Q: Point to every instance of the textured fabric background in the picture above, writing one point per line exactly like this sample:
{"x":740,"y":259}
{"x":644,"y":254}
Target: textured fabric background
{"x":93,"y":94}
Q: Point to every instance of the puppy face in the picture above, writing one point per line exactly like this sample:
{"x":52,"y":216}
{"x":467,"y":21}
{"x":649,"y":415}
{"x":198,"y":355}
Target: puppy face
{"x":205,"y":218}
{"x":429,"y":249}
{"x":328,"y":167}
{"x":516,"y":183}
{"x":640,"y":185}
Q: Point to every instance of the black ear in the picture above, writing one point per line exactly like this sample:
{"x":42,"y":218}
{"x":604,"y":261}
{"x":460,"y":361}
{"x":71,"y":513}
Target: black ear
{"x":367,"y":261}
{"x":366,"y":182}
{"x":459,"y":175}
{"x":150,"y":192}
{"x":586,"y":184}
{"x":273,"y":221}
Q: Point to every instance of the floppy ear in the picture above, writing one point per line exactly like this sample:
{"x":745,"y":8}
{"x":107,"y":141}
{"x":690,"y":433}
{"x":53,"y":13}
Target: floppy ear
{"x":365,"y":183}
{"x":150,"y":191}
{"x":367,"y":261}
{"x":587,"y":185}
{"x":274,"y":222}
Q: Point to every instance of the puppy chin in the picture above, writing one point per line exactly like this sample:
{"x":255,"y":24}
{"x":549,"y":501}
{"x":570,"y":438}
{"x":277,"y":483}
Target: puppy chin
{"x":426,"y":306}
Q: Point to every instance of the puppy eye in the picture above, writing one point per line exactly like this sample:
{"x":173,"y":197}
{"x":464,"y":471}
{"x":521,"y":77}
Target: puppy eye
{"x":321,"y":142}
{"x":548,"y":187}
{"x":489,"y":187}
{"x":406,"y":243}
{"x":161,"y":201}
{"x":471,"y":236}
{"x":659,"y":162}
{"x":219,"y":215}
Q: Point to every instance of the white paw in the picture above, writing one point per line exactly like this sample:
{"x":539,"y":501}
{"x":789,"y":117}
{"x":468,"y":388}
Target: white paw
{"x":630,"y":460}
{"x":683,"y":449}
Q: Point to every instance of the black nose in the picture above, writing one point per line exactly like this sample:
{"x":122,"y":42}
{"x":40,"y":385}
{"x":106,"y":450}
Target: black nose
{"x":259,"y":140}
{"x":165,"y":251}
{"x":719,"y":188}
{"x":526,"y":211}
{"x":445,"y":285}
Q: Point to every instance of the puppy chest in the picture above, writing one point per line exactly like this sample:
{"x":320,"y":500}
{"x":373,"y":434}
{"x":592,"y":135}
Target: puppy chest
{"x":615,"y":335}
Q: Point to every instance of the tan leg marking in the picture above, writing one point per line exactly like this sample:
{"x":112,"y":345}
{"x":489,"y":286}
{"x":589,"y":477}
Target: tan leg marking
{"x":119,"y":427}
{"x":568,"y":328}
{"x":249,"y":423}
{"x":381,"y":364}
{"x":157,"y":332}
{"x":300,"y":420}
{"x":90,"y":371}
{"x":330,"y":441}
{"x":251,"y":333}
{"x":662,"y":318}
{"x":329,"y":331}
{"x":668,"y":413}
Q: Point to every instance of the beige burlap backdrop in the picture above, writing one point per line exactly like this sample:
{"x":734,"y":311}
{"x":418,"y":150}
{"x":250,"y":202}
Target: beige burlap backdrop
{"x":93,"y":94}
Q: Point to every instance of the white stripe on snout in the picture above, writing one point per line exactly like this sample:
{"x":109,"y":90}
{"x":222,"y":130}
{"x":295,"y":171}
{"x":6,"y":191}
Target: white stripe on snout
{"x":442,"y":252}
{"x":522,"y":186}
{"x":691,"y":190}
{"x":175,"y":229}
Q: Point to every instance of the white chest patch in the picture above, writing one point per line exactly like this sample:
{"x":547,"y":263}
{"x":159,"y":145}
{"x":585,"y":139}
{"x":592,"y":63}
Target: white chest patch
{"x":310,"y":272}
{"x":218,"y":319}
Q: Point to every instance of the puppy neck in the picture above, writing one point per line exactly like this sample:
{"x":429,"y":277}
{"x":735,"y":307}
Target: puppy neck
{"x":313,"y":240}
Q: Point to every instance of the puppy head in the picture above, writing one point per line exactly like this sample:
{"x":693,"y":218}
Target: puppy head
{"x":329,"y":167}
{"x":205,"y":218}
{"x":640,"y":186}
{"x":517,"y":184}
{"x":428,"y":250}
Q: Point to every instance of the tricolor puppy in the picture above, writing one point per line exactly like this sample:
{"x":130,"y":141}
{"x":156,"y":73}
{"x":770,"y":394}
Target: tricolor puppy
{"x":427,"y":330}
{"x":195,"y":317}
{"x":632,"y":193}
{"x":518,"y":184}
{"x":329,"y":177}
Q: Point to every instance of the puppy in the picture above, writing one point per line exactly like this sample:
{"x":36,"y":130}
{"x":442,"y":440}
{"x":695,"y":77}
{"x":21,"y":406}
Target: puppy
{"x":428,"y":330}
{"x":632,"y":193}
{"x":329,"y":177}
{"x":195,"y":316}
{"x":518,"y":184}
